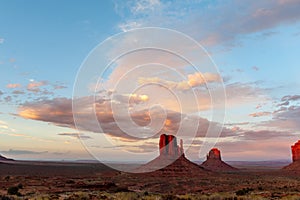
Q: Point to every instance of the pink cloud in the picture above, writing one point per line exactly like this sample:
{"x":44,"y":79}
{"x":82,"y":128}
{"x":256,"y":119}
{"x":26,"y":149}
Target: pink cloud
{"x":35,"y":86}
{"x":260,"y":114}
{"x":13,"y":85}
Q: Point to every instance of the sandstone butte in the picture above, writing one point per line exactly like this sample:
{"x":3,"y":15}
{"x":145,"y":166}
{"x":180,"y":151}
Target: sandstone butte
{"x":214,"y":162}
{"x":171,"y":161}
{"x":295,"y":165}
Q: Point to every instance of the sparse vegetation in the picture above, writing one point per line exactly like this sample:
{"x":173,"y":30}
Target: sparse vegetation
{"x":14,"y":190}
{"x":243,"y":191}
{"x":4,"y":198}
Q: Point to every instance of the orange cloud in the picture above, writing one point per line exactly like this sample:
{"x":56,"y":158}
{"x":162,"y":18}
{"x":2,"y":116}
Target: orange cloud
{"x":260,"y":114}
{"x":194,"y":80}
{"x":13,"y":85}
{"x":35,"y":86}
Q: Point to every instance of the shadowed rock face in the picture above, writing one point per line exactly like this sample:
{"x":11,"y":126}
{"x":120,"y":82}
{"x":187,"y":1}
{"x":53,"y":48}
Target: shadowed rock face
{"x":296,"y":151}
{"x":2,"y":158}
{"x":214,"y":154}
{"x":168,"y":146}
{"x":214,"y":162}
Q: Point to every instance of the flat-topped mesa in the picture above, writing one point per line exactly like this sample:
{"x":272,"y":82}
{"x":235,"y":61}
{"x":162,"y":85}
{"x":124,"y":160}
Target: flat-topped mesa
{"x":168,"y":146}
{"x":296,"y":151}
{"x":214,"y":154}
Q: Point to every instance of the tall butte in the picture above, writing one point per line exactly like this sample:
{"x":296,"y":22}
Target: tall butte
{"x":295,"y":165}
{"x":168,"y":146}
{"x":171,"y":160}
{"x":214,"y":162}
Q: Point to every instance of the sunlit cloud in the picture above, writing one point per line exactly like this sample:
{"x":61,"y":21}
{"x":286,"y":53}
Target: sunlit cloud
{"x":13,"y":85}
{"x":193,"y":80}
{"x":260,"y":114}
{"x":35,"y":86}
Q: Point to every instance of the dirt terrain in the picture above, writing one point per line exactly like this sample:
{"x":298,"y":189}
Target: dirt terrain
{"x":60,"y":180}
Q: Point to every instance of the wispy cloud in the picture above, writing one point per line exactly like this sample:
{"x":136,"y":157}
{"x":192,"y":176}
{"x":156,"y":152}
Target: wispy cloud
{"x":260,"y":114}
{"x":218,"y":24}
{"x":75,"y":135}
{"x":193,"y":80}
{"x":35,"y":86}
{"x":22,"y":152}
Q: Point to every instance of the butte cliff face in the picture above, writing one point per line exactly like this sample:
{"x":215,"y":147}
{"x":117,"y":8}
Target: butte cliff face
{"x":296,"y":151}
{"x":295,"y":165}
{"x":168,"y":146}
{"x":214,"y":162}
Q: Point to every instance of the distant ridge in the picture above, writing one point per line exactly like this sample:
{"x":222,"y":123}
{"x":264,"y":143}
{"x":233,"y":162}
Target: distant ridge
{"x":2,"y":158}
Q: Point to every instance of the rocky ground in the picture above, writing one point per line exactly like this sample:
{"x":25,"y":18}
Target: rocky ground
{"x":95,"y":181}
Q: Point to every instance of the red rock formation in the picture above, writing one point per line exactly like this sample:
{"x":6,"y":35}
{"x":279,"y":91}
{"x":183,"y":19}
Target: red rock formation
{"x":214,"y":154}
{"x":168,"y":146}
{"x":296,"y":151}
{"x":295,"y":165}
{"x":214,"y":162}
{"x":171,"y":161}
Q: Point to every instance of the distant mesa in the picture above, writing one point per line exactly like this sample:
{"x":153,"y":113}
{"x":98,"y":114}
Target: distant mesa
{"x":295,"y":165}
{"x":2,"y":158}
{"x":214,"y":162}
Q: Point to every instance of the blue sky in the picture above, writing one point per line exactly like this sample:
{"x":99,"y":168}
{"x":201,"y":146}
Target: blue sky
{"x":254,"y":44}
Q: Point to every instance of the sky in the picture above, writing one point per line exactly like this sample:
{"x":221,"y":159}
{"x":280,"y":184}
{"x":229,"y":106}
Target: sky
{"x":250,"y":52}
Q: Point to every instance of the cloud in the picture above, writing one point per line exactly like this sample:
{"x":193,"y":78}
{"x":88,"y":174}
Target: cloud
{"x":144,"y":5}
{"x":35,"y":86}
{"x":75,"y":135}
{"x":1,"y":40}
{"x":22,"y":152}
{"x":8,"y":99}
{"x":218,"y":24}
{"x":286,"y":115}
{"x":241,"y":94}
{"x":59,"y":87}
{"x":290,"y":98}
{"x":260,"y":114}
{"x":128,"y":26}
{"x":193,"y":80}
{"x":137,"y":122}
{"x":13,"y":85}
{"x":145,"y":122}
{"x":57,"y":111}
{"x":255,"y":68}
{"x":260,"y":135}
{"x":18,"y":92}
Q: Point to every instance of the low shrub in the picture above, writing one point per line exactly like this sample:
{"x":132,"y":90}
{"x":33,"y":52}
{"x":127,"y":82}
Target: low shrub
{"x":13,"y":191}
